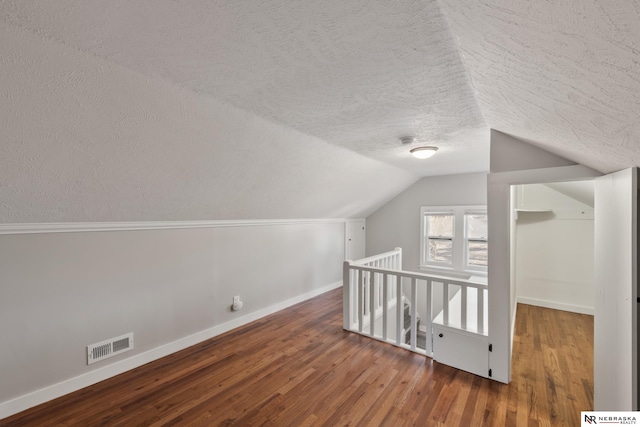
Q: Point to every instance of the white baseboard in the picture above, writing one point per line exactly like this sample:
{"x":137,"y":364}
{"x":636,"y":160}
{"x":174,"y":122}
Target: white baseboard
{"x":70,"y":385}
{"x":557,"y":305}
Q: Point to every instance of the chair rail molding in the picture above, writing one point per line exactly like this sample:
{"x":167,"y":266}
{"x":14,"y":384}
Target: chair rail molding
{"x":70,"y":227}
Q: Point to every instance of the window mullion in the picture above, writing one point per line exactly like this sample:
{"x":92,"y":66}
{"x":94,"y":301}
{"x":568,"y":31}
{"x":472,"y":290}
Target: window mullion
{"x":458,"y":242}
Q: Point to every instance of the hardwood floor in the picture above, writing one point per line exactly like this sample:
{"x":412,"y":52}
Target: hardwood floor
{"x":299,"y":368}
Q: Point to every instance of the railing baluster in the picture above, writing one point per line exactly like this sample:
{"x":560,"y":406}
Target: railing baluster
{"x":392,"y":288}
{"x":429,"y":319}
{"x":385,"y":308}
{"x":399,"y":310}
{"x":372,"y":304}
{"x":445,"y":302}
{"x":361,"y":302}
{"x":363,"y":291}
{"x":355,"y":294}
{"x":463,"y":307}
{"x":480,"y":310}
{"x":347,"y":309}
{"x":372,"y":292}
{"x":379,"y":296}
{"x":414,"y":313}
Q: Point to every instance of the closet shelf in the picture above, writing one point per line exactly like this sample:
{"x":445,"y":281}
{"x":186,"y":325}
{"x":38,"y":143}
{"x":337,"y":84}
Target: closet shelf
{"x":518,"y":211}
{"x":534,"y":210}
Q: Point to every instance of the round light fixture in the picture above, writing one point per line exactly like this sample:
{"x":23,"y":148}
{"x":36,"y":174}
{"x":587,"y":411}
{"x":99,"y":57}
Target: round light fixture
{"x":423,"y":152}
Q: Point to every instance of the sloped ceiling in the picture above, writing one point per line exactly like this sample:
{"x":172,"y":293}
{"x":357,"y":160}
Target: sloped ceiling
{"x":564,"y":75}
{"x":84,"y":140}
{"x":581,"y":191}
{"x":159,"y":109}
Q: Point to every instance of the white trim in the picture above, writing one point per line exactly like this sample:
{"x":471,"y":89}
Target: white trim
{"x":499,"y":214}
{"x":70,"y":385}
{"x":449,"y":272}
{"x":513,"y":328}
{"x":424,"y":238}
{"x":69,"y":227}
{"x":557,"y":305}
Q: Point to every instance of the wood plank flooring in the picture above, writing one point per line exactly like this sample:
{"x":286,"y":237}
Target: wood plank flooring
{"x":299,"y":368}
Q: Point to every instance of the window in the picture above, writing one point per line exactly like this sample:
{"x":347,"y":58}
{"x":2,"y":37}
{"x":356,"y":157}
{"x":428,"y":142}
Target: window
{"x":475,"y":241}
{"x":439,"y":237}
{"x":454,"y":238}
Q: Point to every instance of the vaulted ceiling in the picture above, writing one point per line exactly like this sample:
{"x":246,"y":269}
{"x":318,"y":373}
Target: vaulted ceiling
{"x":162,"y":109}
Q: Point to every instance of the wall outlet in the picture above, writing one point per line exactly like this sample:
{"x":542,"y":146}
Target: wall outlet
{"x":237,"y":303}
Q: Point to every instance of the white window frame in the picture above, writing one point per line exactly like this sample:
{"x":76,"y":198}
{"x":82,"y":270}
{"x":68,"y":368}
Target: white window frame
{"x":459,"y":251}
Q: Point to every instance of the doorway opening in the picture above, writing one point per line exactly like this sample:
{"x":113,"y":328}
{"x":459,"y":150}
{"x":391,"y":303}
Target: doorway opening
{"x":552,"y":264}
{"x":553,"y":245}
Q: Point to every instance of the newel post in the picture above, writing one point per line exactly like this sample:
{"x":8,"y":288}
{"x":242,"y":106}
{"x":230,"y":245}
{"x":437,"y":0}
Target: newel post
{"x":346,"y":295}
{"x":399,"y":266}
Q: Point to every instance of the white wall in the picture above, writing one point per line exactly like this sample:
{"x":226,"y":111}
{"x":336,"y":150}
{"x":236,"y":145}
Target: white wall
{"x":554,"y":250}
{"x":512,"y":154}
{"x":63,"y":291}
{"x":397,"y":224}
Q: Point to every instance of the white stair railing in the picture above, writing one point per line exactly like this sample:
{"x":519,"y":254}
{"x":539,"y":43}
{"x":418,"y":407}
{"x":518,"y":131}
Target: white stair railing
{"x":374,"y":290}
{"x":371,"y":292}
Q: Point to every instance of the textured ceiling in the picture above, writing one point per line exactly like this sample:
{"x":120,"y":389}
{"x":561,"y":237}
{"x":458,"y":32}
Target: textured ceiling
{"x":564,"y":75}
{"x":84,"y":140}
{"x":255,"y":85}
{"x":354,"y":73}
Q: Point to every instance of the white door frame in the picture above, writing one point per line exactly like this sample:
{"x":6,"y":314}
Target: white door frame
{"x":502,"y":292}
{"x":616,"y":328}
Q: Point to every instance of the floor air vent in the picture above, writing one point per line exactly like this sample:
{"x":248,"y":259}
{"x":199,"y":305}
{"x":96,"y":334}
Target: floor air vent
{"x":105,"y":349}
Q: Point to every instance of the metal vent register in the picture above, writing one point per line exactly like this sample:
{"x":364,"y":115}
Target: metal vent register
{"x":108,"y":348}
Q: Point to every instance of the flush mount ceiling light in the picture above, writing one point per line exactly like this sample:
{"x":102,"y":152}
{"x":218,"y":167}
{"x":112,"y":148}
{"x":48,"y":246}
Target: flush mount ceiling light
{"x":423,"y":152}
